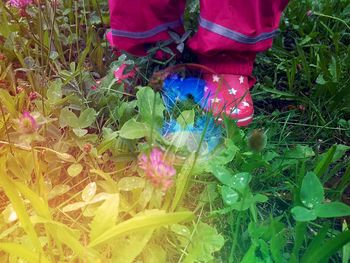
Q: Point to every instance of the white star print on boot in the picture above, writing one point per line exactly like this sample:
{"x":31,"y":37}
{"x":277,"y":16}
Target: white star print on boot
{"x":228,"y":94}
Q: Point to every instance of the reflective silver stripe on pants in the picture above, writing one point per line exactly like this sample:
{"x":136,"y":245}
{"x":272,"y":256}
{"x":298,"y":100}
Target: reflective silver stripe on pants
{"x":149,"y":33}
{"x":233,"y":35}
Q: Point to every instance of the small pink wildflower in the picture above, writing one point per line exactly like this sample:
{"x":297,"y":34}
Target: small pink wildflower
{"x":309,"y":13}
{"x":19,"y":89}
{"x":55,"y":3}
{"x":27,"y":123}
{"x":33,"y":95}
{"x":2,"y":56}
{"x":20,"y":3}
{"x":97,"y":85}
{"x":157,"y":170}
{"x":87,"y":147}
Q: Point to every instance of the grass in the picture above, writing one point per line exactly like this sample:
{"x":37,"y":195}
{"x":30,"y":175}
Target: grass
{"x":309,"y":66}
{"x":73,"y":190}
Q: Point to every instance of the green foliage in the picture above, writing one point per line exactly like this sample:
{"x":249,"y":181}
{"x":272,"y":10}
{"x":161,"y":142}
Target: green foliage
{"x":311,"y":192}
{"x":150,"y":107}
{"x":68,"y":118}
{"x":186,"y":118}
{"x":72,"y":191}
{"x":312,"y":197}
{"x":309,"y":67}
{"x":204,"y":250}
{"x":268,"y":241}
{"x":134,"y":130}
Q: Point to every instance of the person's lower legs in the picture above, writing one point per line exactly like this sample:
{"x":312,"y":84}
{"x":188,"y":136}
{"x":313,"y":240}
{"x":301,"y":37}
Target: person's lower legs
{"x":137,"y":23}
{"x":229,"y":36}
{"x":232,"y":32}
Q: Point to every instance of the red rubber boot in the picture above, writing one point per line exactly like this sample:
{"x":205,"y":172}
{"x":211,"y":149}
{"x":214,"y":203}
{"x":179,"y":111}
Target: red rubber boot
{"x":229,"y":94}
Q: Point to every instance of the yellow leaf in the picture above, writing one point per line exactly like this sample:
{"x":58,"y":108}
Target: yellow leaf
{"x":105,"y":217}
{"x":154,"y":254}
{"x":22,"y":252}
{"x":8,"y":101}
{"x":182,"y":182}
{"x":89,"y":192}
{"x":9,"y":214}
{"x":74,"y":206}
{"x":122,"y":252}
{"x":63,"y":156}
{"x":18,"y":205}
{"x":59,"y":189}
{"x":39,"y":205}
{"x":70,"y":237}
{"x":75,"y":169}
{"x":156,"y":219}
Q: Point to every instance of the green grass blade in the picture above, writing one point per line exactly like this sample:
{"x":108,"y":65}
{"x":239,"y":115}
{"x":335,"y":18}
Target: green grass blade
{"x":322,"y":165}
{"x":315,"y":243}
{"x":329,"y":248}
{"x":182,"y":182}
{"x":300,"y":231}
{"x":344,"y":182}
{"x":86,"y":51}
{"x":346,"y":248}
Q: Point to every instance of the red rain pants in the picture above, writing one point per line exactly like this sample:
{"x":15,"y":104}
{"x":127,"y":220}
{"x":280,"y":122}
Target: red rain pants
{"x":230,"y":32}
